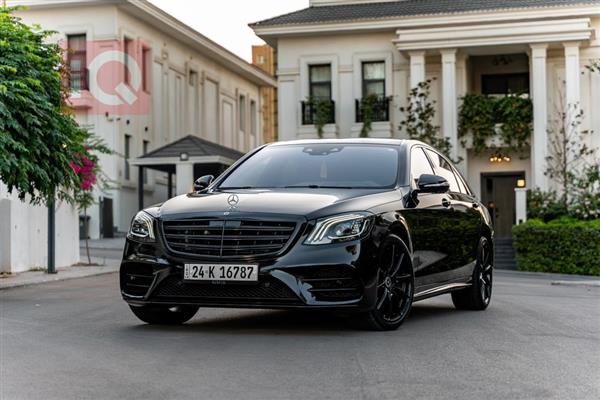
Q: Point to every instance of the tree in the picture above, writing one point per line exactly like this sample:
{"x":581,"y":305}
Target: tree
{"x":38,"y":135}
{"x":44,"y":154}
{"x":568,"y":154}
{"x":419,"y":115}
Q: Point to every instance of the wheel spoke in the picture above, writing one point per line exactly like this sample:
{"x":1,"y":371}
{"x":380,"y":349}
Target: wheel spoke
{"x":391,"y":261}
{"x":397,"y":266}
{"x":390,"y":305}
{"x":382,"y":299}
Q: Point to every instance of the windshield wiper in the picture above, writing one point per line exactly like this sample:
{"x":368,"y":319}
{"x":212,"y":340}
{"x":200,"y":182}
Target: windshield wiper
{"x":317,"y":187}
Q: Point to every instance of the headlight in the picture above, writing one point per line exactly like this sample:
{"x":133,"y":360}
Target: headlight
{"x":142,"y":228}
{"x":339,"y":228}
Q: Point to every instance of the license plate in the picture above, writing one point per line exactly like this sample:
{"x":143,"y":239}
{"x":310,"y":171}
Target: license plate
{"x":221,"y":272}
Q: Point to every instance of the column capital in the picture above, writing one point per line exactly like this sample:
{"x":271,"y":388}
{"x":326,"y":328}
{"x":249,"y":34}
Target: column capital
{"x":416,"y":53}
{"x":448,"y":52}
{"x":538,"y":46}
{"x":567,"y":45}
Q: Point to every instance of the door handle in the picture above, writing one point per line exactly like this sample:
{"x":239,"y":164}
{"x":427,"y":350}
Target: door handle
{"x":446,"y":203}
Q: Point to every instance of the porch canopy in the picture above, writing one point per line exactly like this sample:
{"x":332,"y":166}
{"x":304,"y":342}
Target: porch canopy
{"x":188,"y":158}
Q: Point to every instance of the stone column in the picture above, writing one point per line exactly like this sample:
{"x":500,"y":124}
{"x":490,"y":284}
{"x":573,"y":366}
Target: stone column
{"x":417,"y":68}
{"x":572,"y":73}
{"x":184,"y":177}
{"x":449,"y":94}
{"x":539,"y":142}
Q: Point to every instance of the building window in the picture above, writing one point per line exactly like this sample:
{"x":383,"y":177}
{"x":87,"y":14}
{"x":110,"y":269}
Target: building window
{"x":505,"y":84}
{"x":77,"y":61}
{"x":127,"y":155}
{"x":128,"y":46}
{"x":373,"y":84}
{"x":145,"y":145}
{"x":260,"y":59}
{"x":373,"y":78}
{"x":242,"y":110}
{"x":146,"y":63}
{"x":320,"y":81}
{"x":253,"y":117}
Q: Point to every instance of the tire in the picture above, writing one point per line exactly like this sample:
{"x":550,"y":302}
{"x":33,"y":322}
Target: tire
{"x":395,"y":286}
{"x":478,"y":296}
{"x":157,"y":315}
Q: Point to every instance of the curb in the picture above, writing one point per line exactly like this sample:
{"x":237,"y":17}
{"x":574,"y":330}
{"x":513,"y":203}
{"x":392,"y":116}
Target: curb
{"x":557,"y":277}
{"x":576,"y":283}
{"x":63,"y":275}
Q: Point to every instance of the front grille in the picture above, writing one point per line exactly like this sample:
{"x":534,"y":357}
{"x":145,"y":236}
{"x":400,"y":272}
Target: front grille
{"x":136,"y":278}
{"x":219,"y":238}
{"x":268,"y":289}
{"x":336,"y":283}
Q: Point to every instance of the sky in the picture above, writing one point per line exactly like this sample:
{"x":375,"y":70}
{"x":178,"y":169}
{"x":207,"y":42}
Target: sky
{"x":226,"y":21}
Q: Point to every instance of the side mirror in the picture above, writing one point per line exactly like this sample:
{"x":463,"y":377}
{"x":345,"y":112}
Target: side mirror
{"x":203,"y":182}
{"x":432,"y":184}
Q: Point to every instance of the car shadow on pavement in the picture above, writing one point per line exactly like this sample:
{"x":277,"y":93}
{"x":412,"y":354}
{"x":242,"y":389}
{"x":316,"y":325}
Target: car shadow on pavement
{"x":246,"y":322}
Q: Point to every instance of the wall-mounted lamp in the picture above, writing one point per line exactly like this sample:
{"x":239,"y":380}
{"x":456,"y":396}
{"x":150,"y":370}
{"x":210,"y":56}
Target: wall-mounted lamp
{"x":520,"y":183}
{"x":184,"y":156}
{"x":499,"y":157}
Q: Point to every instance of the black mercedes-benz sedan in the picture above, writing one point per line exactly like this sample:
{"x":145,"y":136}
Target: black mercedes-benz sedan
{"x":362,"y":225}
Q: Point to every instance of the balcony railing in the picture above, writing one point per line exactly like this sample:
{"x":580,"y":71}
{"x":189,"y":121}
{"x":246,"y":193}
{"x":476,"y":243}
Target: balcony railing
{"x":381,"y":109}
{"x":311,"y":108}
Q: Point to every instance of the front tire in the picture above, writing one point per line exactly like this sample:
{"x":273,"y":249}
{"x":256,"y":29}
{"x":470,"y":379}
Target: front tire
{"x":395,"y":286}
{"x":157,"y":315}
{"x":479,"y":294}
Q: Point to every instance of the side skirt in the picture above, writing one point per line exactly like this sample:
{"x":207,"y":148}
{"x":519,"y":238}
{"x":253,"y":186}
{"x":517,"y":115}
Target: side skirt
{"x":439,"y":290}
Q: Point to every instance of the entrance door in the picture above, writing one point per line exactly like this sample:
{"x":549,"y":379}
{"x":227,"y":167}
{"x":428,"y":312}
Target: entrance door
{"x":498,"y":194}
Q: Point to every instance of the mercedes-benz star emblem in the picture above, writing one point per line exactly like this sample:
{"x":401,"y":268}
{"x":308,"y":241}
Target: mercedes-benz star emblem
{"x":233,"y":200}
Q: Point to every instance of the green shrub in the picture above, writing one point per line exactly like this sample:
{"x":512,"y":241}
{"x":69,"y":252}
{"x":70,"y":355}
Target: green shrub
{"x":565,"y":246}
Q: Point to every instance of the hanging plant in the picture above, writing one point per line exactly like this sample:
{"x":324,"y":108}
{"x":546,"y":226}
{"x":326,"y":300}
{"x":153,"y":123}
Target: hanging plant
{"x":483,"y":117}
{"x":322,"y":109}
{"x":476,"y":119}
{"x":515,"y":114}
{"x":367,"y":106}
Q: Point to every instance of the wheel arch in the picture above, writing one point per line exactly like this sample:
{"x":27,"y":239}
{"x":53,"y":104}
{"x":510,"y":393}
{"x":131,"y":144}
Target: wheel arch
{"x":400,"y":229}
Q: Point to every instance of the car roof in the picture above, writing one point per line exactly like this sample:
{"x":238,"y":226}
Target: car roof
{"x":388,"y":142}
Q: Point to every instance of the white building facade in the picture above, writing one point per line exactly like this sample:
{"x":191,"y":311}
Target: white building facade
{"x":168,"y":80}
{"x":346,"y":49}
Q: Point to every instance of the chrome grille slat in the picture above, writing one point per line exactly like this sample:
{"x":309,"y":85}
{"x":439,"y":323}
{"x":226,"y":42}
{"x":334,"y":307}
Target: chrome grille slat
{"x":227,"y":238}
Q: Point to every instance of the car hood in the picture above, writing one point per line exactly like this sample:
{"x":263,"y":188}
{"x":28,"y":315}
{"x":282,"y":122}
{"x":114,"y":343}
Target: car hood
{"x":309,"y":203}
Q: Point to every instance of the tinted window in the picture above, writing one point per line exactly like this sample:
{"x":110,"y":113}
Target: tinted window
{"x":443,"y":169}
{"x":419,"y":164}
{"x":324,"y":165}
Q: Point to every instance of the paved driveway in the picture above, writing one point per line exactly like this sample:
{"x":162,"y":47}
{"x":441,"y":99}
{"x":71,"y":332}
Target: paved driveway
{"x":77,"y":340}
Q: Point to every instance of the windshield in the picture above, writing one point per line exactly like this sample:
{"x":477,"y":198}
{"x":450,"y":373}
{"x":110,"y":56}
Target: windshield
{"x":317,"y":166}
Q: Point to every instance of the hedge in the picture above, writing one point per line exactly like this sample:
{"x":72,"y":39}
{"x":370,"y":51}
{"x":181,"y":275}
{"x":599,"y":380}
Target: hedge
{"x":564,"y":246}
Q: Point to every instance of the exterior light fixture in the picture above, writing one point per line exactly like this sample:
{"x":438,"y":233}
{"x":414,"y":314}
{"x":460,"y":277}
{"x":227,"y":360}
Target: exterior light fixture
{"x":184,"y":156}
{"x":499,"y":157}
{"x":520,"y":183}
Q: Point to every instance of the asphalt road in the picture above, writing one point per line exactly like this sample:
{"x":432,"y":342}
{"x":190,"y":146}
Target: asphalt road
{"x":77,"y":340}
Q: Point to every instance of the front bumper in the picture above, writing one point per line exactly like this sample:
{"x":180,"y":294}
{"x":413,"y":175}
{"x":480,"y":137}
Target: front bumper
{"x":337,"y":276}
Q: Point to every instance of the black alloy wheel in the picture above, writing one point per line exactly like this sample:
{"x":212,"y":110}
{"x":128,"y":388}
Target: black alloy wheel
{"x":161,"y":315}
{"x":479,"y":294}
{"x":395,"y":286}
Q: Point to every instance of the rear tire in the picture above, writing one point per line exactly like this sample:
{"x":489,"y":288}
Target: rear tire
{"x":161,"y":315}
{"x":478,"y":296}
{"x":395,"y":287}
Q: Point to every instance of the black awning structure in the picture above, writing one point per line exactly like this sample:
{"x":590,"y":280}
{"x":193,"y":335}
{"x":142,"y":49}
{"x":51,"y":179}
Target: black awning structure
{"x":191,"y":156}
